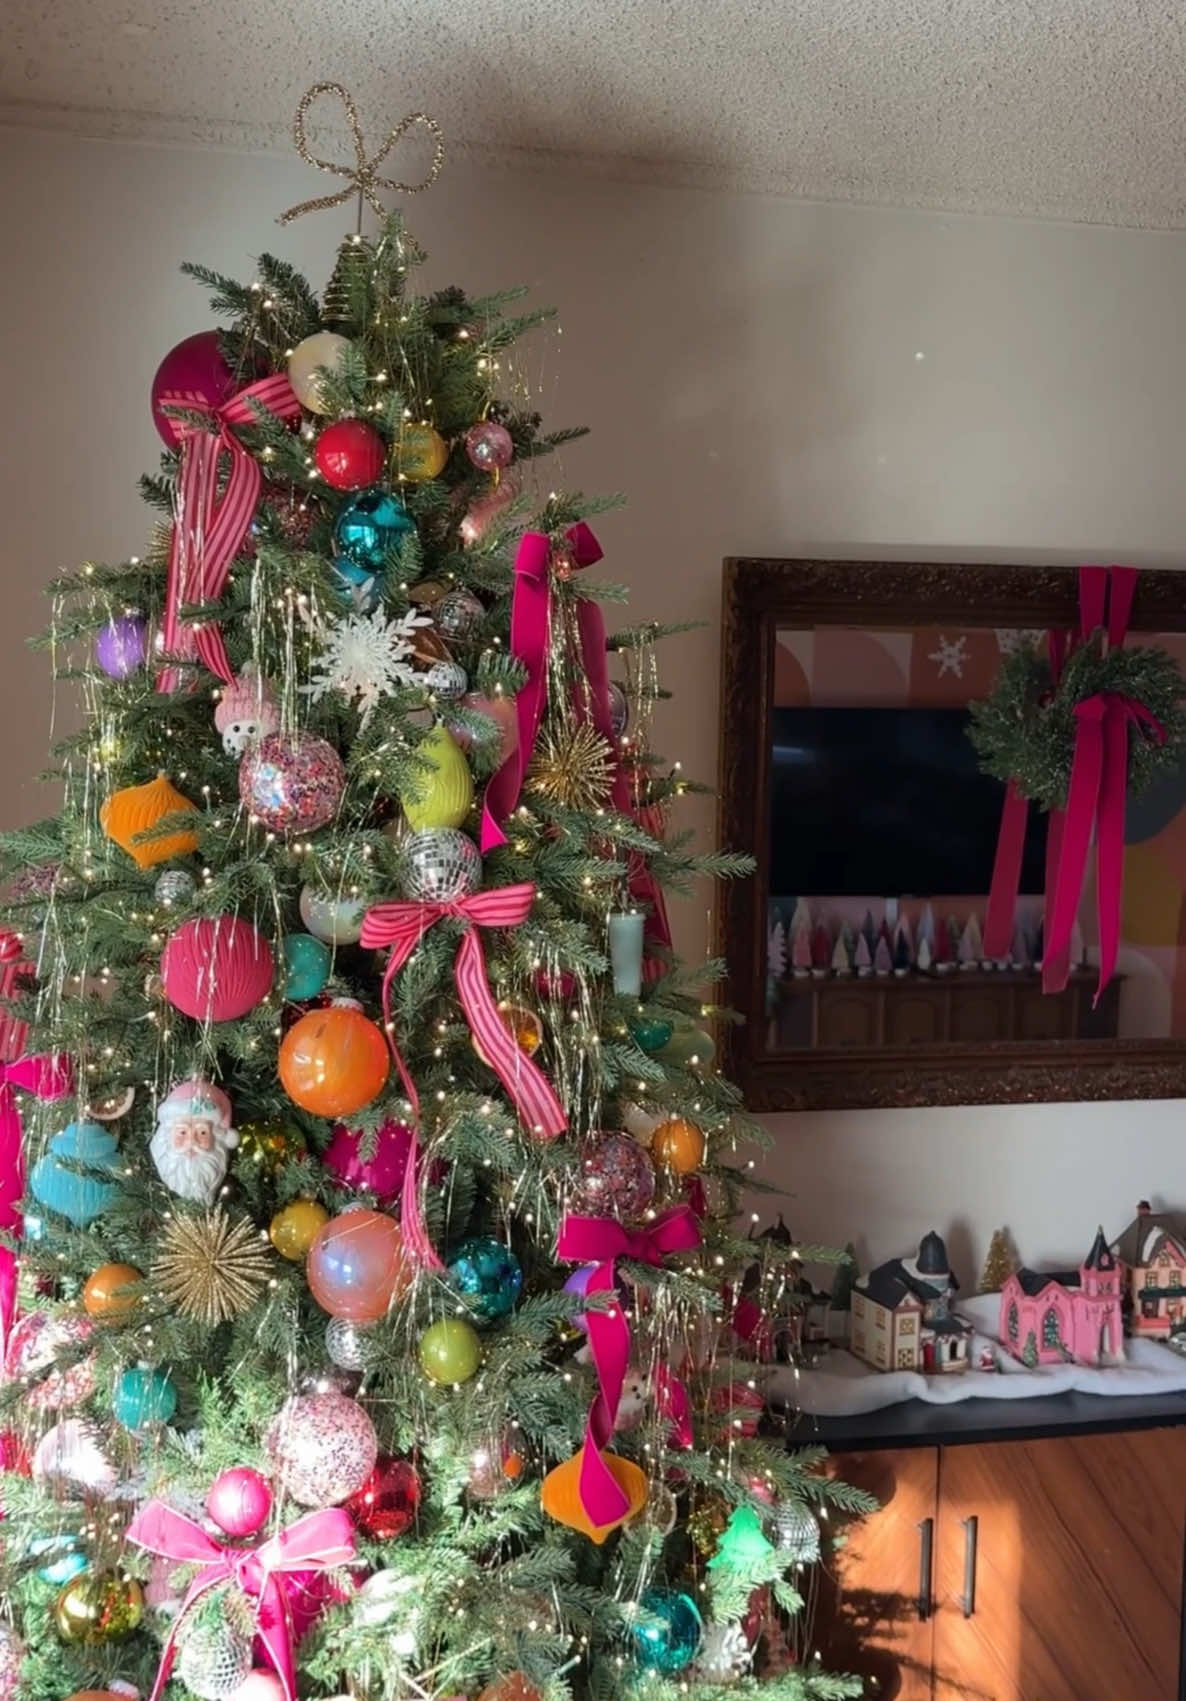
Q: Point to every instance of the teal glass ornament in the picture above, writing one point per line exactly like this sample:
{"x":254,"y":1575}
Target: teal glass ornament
{"x":690,"y":1048}
{"x":370,"y":526}
{"x":143,"y":1397}
{"x":359,"y":585}
{"x":78,"y":1197}
{"x":669,"y":1638}
{"x":306,"y":966}
{"x":488,"y":1276}
{"x":68,"y":1563}
{"x":652,"y":1032}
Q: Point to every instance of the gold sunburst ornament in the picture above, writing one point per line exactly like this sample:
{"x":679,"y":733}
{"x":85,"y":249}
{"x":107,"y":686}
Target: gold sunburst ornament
{"x":209,"y":1268}
{"x":572,"y":767}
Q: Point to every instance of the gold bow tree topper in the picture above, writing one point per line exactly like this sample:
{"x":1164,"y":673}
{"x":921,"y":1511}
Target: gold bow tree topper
{"x":362,"y":177}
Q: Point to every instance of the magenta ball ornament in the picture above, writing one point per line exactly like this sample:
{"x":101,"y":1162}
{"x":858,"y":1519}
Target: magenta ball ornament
{"x":380,"y":1173}
{"x":239,"y":1501}
{"x":293,"y":784}
{"x":192,"y":375}
{"x":121,"y":647}
{"x":321,"y":1448}
{"x":489,"y":446}
{"x":617,"y":1177}
{"x":356,"y":1266}
{"x":216,"y":969}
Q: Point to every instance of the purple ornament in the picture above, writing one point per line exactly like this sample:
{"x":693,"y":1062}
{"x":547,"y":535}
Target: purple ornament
{"x":383,"y":1172}
{"x":239,"y":1501}
{"x":578,"y":1283}
{"x":617,"y":1177}
{"x":489,"y":445}
{"x":292,"y":784}
{"x":192,"y":375}
{"x":122,"y":646}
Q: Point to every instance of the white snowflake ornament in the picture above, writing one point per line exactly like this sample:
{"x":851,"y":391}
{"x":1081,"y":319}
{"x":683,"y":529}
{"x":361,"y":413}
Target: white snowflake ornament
{"x":364,"y":656}
{"x":950,"y":656}
{"x":725,"y":1654}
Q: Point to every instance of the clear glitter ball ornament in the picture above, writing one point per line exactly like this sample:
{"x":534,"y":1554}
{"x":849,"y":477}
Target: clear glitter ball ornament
{"x":213,"y":1660}
{"x":345,"y":1344}
{"x":724,"y":1653}
{"x":442,"y":865}
{"x":174,"y":886}
{"x":459,"y":615}
{"x":798,"y":1533}
{"x":322,"y":1447}
{"x":447,"y":680}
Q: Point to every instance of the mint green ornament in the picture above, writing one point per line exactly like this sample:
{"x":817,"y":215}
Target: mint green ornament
{"x":741,"y":1544}
{"x":143,"y":1397}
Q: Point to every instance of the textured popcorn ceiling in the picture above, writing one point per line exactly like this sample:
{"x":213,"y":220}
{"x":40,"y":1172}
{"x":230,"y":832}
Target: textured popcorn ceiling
{"x":1056,"y":108}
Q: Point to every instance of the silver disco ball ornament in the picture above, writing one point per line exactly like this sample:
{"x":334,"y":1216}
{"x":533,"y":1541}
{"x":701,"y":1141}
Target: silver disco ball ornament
{"x":213,"y":1660}
{"x":345,"y":1344}
{"x":175,"y":886}
{"x":619,"y":709}
{"x":441,"y":865}
{"x":447,"y":680}
{"x":798,"y":1533}
{"x":458,"y":615}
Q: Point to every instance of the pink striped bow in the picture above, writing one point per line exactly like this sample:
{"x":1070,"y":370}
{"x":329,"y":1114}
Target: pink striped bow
{"x":314,"y":1543}
{"x":208,"y":529}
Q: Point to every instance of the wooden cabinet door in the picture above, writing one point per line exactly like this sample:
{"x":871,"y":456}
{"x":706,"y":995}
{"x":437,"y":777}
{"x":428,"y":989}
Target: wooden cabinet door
{"x":1073,"y":1551}
{"x":873,"y":1609}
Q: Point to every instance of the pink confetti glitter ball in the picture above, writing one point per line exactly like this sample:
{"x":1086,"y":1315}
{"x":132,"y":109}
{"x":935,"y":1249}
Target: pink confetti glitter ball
{"x":259,"y":1685}
{"x":488,"y":445}
{"x":292,"y":784}
{"x":216,"y":968}
{"x":32,"y":1348}
{"x":322,"y":1448}
{"x":382,"y":1173}
{"x":239,"y":1501}
{"x":11,"y":1656}
{"x":617,"y":1177}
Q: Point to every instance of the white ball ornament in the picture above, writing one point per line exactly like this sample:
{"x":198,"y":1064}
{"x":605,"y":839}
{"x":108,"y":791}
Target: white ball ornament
{"x":335,"y":921}
{"x":323,"y":349}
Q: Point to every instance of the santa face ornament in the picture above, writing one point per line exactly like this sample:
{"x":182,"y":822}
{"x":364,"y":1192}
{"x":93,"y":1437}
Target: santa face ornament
{"x":193,"y":1140}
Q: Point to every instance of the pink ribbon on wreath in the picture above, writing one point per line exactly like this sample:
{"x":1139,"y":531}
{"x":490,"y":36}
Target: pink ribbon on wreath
{"x":401,"y":926}
{"x":314,"y":1543}
{"x":208,"y":529}
{"x":600,"y":1241}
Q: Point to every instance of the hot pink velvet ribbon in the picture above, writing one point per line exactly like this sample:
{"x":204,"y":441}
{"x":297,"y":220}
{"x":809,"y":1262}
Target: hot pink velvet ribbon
{"x":208,"y":529}
{"x":314,"y":1543}
{"x":402,"y":926}
{"x":600,"y":1241}
{"x":671,"y":1397}
{"x":529,"y":642}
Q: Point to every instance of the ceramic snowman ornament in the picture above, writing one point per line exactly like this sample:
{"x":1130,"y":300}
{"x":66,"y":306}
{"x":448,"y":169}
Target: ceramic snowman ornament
{"x":247,"y":711}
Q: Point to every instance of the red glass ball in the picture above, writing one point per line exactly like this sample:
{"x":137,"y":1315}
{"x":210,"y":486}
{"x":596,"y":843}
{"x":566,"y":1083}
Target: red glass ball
{"x":349,"y":454}
{"x":385,"y":1506}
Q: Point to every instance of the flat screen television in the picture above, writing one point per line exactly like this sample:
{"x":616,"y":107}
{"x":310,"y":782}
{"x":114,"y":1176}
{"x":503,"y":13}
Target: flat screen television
{"x":873,"y":802}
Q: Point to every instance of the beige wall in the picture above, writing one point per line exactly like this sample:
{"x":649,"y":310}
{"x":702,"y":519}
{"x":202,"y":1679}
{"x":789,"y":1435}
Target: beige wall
{"x":761,"y":377}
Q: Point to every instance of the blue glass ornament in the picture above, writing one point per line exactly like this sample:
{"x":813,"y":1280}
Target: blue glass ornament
{"x":69,"y":1562}
{"x":360,"y":585}
{"x":370,"y":526}
{"x":488,"y":1276}
{"x":652,"y":1032}
{"x":142,"y":1397}
{"x":306,"y":966}
{"x":78,"y":1197}
{"x":669,"y":1638}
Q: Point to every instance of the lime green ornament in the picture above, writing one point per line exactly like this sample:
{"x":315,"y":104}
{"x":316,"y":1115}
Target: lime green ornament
{"x":741,"y":1544}
{"x":450,"y":1351}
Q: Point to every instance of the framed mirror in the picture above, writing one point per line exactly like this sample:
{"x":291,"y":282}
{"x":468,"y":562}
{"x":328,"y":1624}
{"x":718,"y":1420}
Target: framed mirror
{"x":856,"y":952}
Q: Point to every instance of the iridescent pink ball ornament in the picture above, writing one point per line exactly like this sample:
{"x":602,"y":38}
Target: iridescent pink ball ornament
{"x":617,"y":1177}
{"x":488,"y":445}
{"x":322,"y":1448}
{"x":293,"y":784}
{"x":486,"y":509}
{"x":380,"y":1173}
{"x":239,"y":1501}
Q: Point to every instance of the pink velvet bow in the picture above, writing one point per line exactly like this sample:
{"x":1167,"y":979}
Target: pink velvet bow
{"x":402,"y":926}
{"x":599,"y":1241}
{"x":208,"y":529}
{"x":314,"y":1543}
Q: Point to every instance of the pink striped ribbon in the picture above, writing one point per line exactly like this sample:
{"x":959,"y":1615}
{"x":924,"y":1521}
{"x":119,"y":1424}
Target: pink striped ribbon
{"x":208,"y":530}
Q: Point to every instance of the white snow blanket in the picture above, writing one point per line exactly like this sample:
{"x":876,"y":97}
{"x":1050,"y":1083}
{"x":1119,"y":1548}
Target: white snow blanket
{"x":843,"y":1385}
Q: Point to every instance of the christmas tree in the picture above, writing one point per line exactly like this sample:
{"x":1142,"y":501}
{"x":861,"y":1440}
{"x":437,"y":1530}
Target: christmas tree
{"x":999,"y":1264}
{"x":365,"y":1334}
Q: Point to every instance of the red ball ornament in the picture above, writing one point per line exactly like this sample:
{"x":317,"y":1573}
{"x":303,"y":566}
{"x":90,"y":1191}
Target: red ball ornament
{"x":216,"y":969}
{"x":385,"y":1506}
{"x":192,"y":375}
{"x":349,"y":454}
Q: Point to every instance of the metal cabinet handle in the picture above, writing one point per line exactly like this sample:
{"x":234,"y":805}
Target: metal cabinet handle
{"x":926,"y":1546}
{"x":971,"y":1534}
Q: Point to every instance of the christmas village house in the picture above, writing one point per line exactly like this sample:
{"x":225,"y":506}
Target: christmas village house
{"x":901,"y":1314}
{"x":1052,"y":1316}
{"x":1153,"y":1251}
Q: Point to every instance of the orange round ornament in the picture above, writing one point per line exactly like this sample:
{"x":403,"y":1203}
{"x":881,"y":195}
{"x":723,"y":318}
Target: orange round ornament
{"x":511,"y":1686}
{"x":97,"y":1695}
{"x":106,"y":1292}
{"x":333,"y":1062}
{"x":678,"y":1145}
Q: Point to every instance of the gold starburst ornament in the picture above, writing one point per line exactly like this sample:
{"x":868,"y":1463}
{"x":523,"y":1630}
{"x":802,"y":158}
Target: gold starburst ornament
{"x":573,"y":767}
{"x":210,"y":1268}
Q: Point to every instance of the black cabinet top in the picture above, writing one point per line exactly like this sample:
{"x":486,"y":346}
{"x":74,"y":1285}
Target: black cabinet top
{"x":914,"y":1423}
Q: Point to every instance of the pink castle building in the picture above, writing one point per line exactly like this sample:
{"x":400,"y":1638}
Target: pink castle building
{"x":1050,"y":1316}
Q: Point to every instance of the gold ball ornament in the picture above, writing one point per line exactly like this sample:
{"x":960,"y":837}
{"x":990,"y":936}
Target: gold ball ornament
{"x":322,"y":349}
{"x":441,"y":794}
{"x":268,"y":1146}
{"x":678,"y":1145}
{"x":98,"y":1606}
{"x":706,"y":1523}
{"x":523,"y":1025}
{"x":293,"y":1230}
{"x":107,"y":1292}
{"x":420,"y":453}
